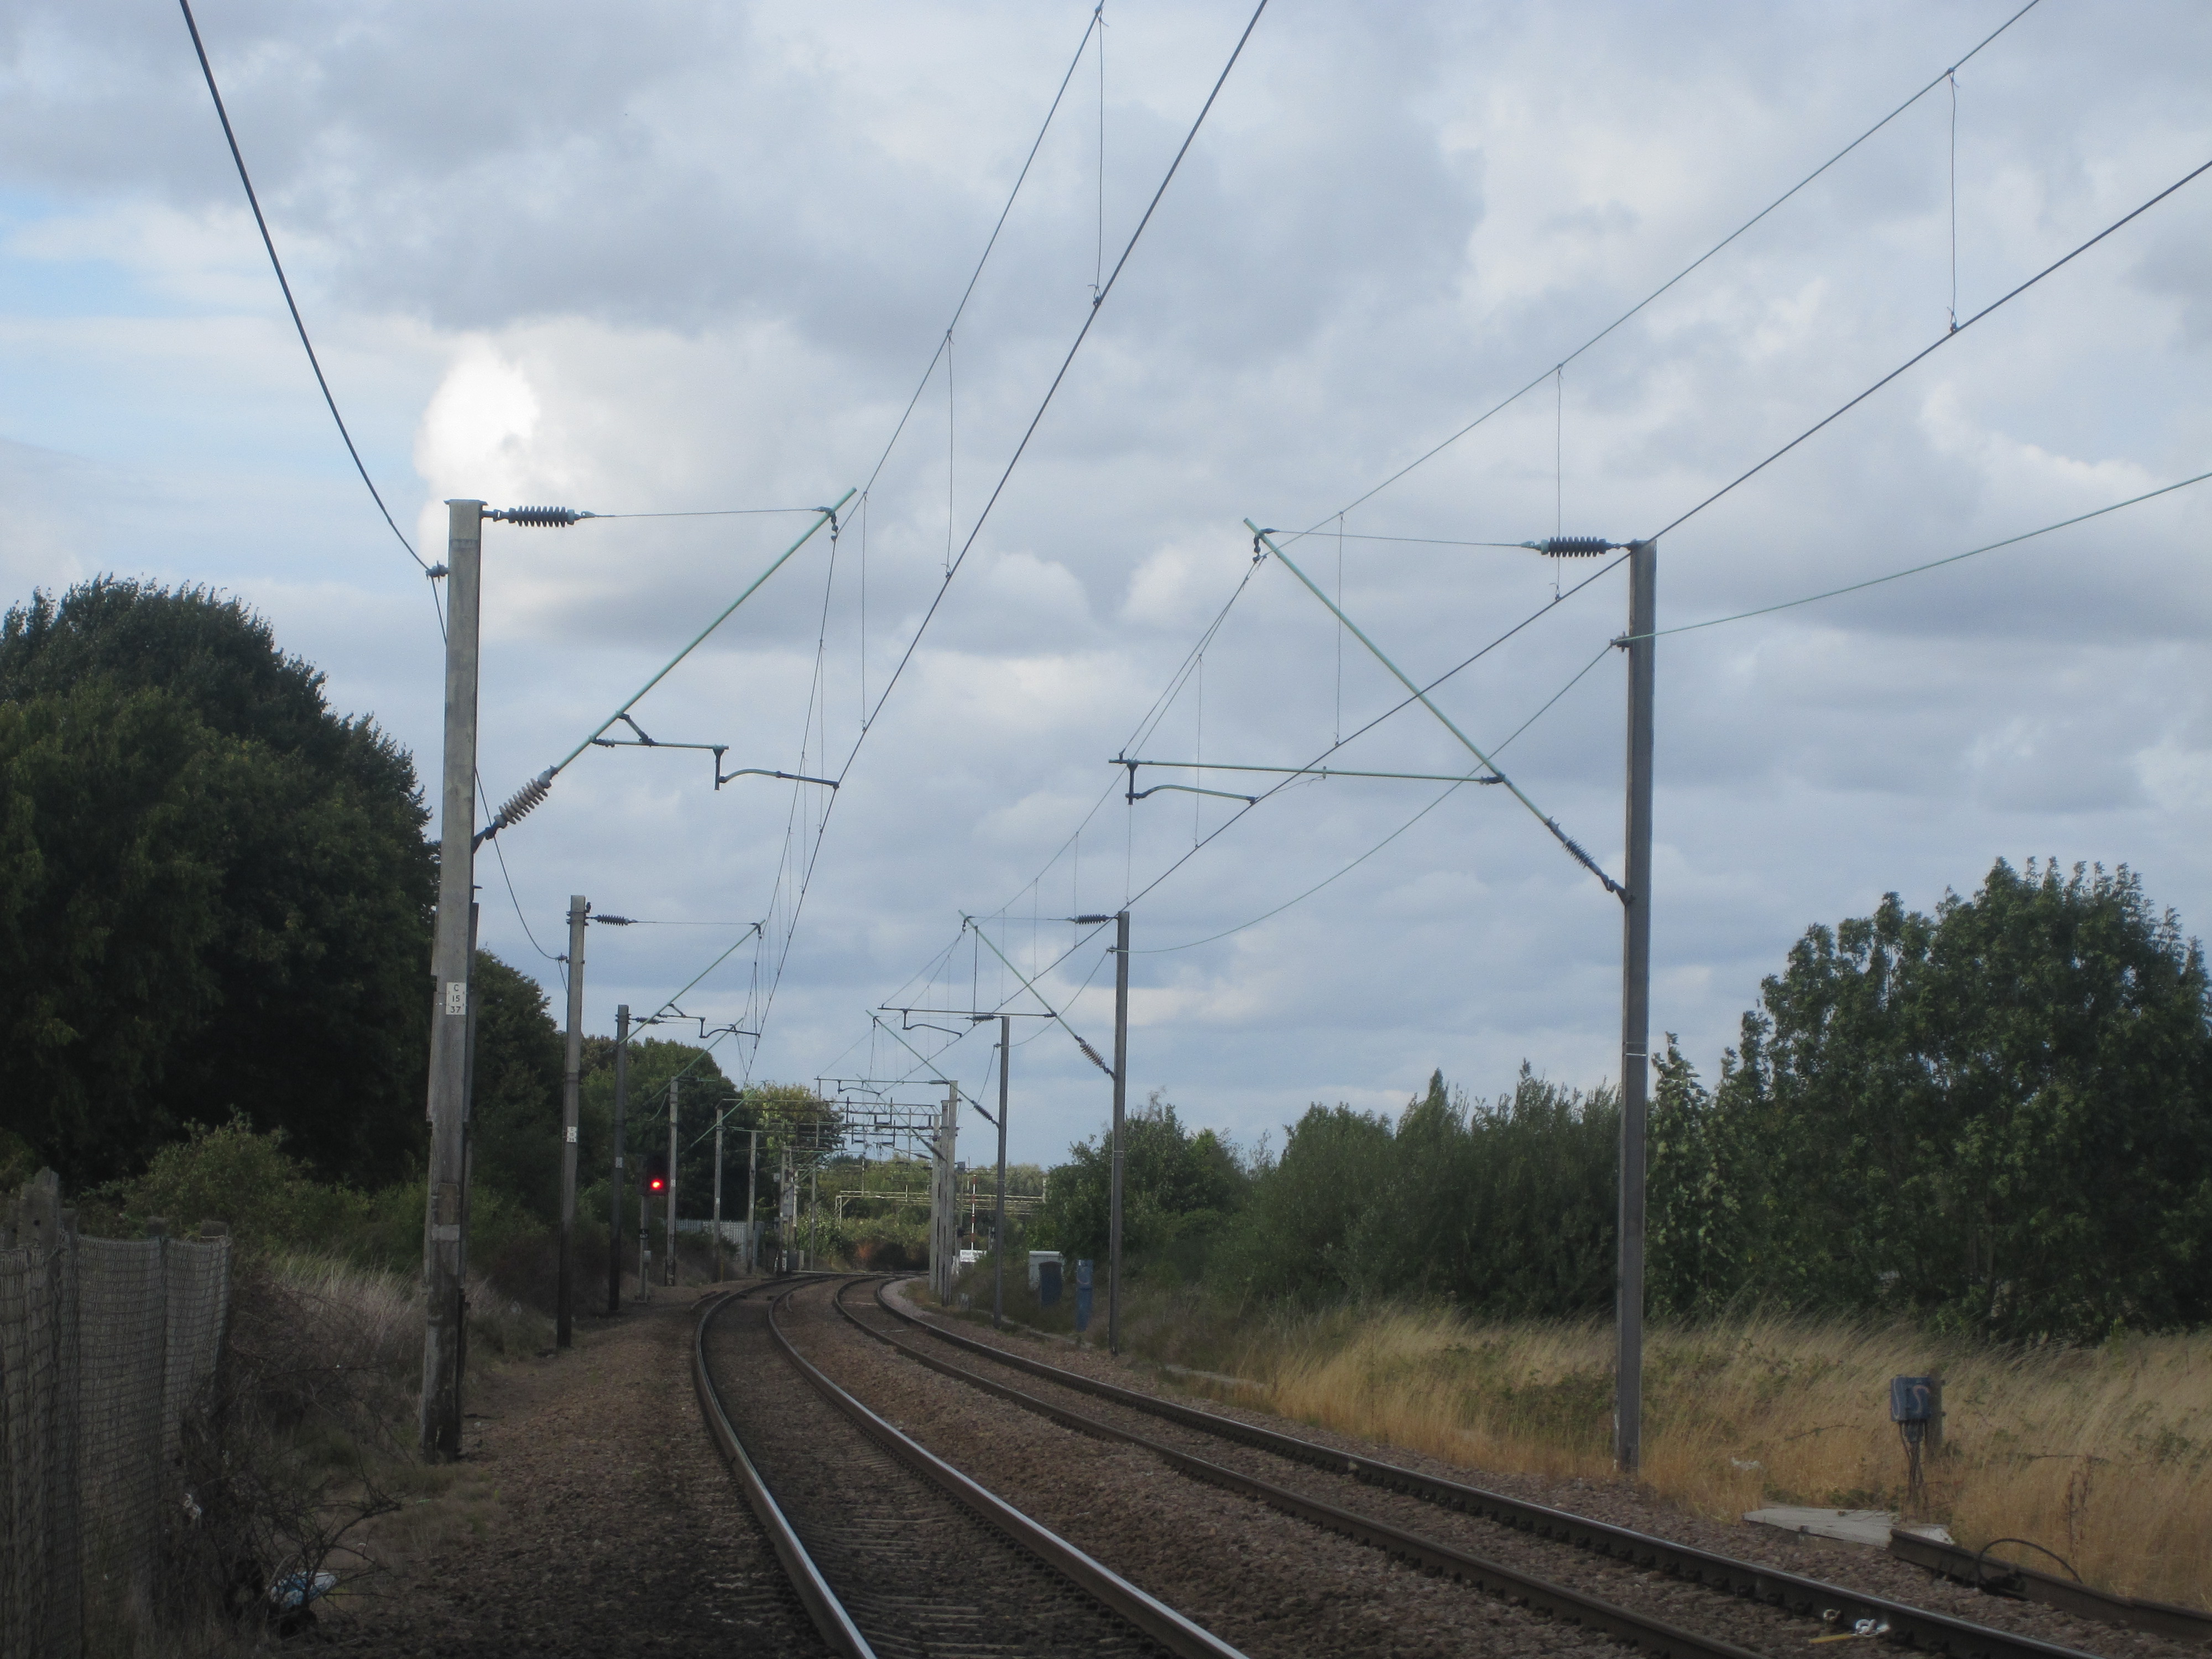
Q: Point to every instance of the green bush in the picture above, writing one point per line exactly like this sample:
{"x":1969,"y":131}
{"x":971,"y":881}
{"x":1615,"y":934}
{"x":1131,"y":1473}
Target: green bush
{"x":247,"y":1181}
{"x":1505,"y":1208}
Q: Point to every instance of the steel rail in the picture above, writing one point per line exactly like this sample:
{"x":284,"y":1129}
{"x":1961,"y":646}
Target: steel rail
{"x":1936,"y":1633}
{"x":1170,"y":1629}
{"x":2013,"y":1580}
{"x":827,"y":1613}
{"x":1653,"y":1636}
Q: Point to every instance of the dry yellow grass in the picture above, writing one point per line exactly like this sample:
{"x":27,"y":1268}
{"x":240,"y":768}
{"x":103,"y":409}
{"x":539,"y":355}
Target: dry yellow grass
{"x":2103,"y":1454}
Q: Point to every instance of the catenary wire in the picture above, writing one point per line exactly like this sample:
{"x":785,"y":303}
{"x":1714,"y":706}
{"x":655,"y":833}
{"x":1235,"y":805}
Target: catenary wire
{"x":991,"y":242}
{"x":1934,"y":564}
{"x":990,"y":503}
{"x":1498,"y":408}
{"x":1066,"y":362}
{"x":1937,"y":344}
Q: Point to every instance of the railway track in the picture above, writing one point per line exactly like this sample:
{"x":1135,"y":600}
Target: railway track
{"x":892,"y":1551}
{"x":1762,"y":1607}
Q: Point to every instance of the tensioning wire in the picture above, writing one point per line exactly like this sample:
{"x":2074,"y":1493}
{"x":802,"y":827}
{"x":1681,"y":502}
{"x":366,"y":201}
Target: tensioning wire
{"x":299,"y":323}
{"x":712,"y":513}
{"x":1498,"y":408}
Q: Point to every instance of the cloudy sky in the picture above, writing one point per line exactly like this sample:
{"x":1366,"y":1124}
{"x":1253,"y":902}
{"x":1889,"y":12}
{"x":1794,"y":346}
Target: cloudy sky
{"x":669,"y":258}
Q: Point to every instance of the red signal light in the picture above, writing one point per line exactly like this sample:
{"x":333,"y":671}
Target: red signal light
{"x":656,"y":1185}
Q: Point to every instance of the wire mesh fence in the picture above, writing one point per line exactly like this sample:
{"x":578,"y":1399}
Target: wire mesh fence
{"x":103,"y":1345}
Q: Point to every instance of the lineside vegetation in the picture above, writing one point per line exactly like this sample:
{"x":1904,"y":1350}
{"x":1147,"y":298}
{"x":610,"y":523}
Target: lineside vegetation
{"x":1979,"y":1142}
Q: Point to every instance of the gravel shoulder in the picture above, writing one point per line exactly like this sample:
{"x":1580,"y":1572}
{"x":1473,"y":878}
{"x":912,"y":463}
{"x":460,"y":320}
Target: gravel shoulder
{"x":1617,"y":1503}
{"x":589,"y":1514}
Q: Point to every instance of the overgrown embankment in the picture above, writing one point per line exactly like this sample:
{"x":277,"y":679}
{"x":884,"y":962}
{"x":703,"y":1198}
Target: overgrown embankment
{"x":2102,"y":1454}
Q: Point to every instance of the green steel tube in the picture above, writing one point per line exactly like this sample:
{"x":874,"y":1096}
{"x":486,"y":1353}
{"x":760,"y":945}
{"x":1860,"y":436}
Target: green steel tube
{"x":899,"y":1037}
{"x":826,"y":515}
{"x":1318,"y":772}
{"x":967,"y":921}
{"x":1422,"y":697}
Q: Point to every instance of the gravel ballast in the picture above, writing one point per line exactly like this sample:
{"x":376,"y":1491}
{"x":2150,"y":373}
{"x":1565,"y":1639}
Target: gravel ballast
{"x":922,"y":1576}
{"x":1268,"y":1583}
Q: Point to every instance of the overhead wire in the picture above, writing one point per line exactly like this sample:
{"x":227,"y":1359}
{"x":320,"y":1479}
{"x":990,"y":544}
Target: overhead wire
{"x":329,"y":398}
{"x":1090,"y":317}
{"x":870,"y":711}
{"x":1066,"y":362}
{"x":1933,"y":346}
{"x":1933,"y":564}
{"x":976,"y":276}
{"x":1956,"y":326}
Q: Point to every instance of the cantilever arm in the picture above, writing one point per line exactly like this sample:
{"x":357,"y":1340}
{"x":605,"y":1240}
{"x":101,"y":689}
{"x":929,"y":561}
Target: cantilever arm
{"x":722,"y":777}
{"x":1573,"y":847}
{"x":967,"y":921}
{"x":1193,"y":789}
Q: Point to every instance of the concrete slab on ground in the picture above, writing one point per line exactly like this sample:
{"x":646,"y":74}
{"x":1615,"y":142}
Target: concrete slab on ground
{"x":1868,"y":1526}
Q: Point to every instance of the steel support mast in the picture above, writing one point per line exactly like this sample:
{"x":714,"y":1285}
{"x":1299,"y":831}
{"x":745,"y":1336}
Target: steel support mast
{"x":614,"y":1184}
{"x":444,"y":1312}
{"x":572,"y":1078}
{"x":668,"y":1198}
{"x":718,"y":1198}
{"x":1635,"y":1011}
{"x":999,"y":1218}
{"x":1121,"y":1124}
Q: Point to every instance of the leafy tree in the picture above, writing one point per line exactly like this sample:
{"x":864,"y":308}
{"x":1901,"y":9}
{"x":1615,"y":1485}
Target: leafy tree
{"x":703,"y":1092}
{"x":1176,"y":1189}
{"x":214,"y":892}
{"x":1506,"y":1208}
{"x":1703,"y":1182}
{"x":514,"y":1110}
{"x":1996,"y":1116}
